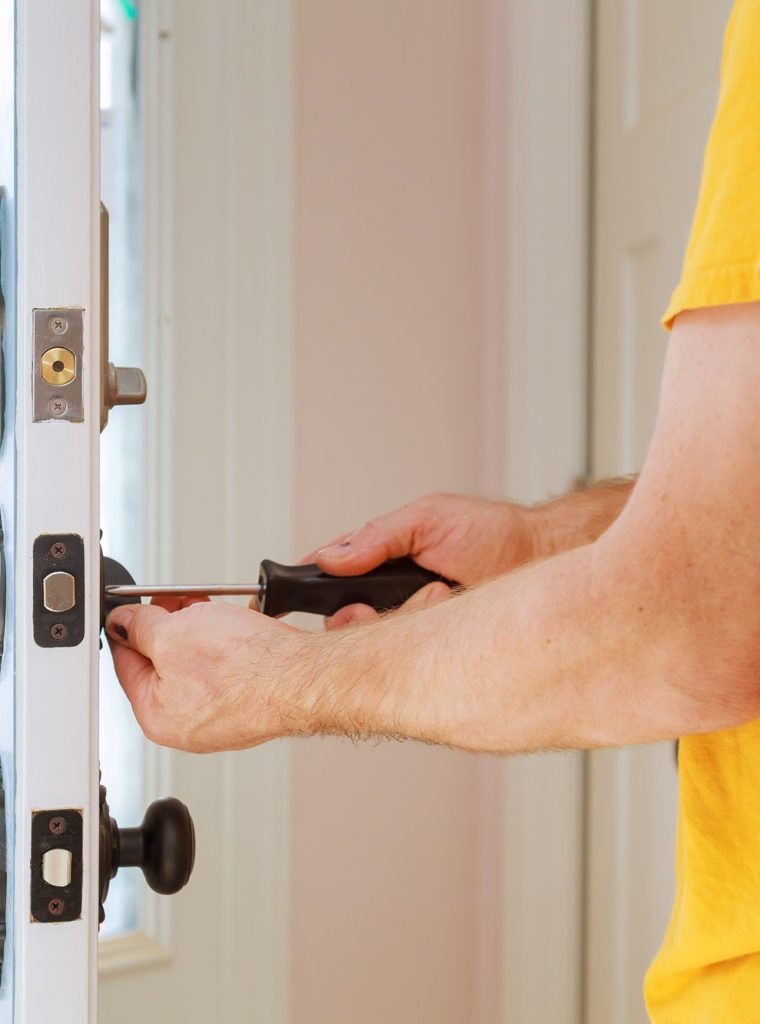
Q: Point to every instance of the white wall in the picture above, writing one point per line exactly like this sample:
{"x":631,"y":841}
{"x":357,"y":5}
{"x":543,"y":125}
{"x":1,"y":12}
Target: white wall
{"x":389,"y":150}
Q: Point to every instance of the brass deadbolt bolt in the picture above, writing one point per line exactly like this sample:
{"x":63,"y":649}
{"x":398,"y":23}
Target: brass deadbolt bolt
{"x":59,"y":366}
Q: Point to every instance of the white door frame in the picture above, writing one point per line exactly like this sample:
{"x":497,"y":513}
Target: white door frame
{"x":57,"y":208}
{"x":537,"y":197}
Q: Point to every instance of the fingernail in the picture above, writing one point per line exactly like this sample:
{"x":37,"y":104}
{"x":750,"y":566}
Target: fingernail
{"x":337,"y":550}
{"x":119,"y":629}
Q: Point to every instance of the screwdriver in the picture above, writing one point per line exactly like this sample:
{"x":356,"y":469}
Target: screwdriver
{"x":300,"y":588}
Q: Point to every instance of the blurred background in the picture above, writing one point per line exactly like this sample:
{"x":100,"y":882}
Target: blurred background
{"x":366,"y":251}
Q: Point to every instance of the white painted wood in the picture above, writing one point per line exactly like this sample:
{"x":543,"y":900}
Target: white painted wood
{"x":218,"y":348}
{"x":656,"y":85}
{"x":57,"y":207}
{"x":543,"y":325}
{"x":8,"y":465}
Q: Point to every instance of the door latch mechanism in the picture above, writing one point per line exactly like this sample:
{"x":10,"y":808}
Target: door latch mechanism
{"x":56,"y":883}
{"x":119,"y":385}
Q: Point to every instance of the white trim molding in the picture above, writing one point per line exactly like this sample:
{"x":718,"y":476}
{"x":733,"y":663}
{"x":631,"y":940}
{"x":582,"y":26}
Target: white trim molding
{"x":540,"y":320}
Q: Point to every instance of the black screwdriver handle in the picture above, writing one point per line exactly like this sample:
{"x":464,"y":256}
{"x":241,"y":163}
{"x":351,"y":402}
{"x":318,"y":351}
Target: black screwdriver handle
{"x":305,"y":588}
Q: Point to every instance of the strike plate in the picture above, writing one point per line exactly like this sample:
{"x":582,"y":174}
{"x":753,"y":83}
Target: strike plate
{"x":57,"y":372}
{"x":57,"y":830}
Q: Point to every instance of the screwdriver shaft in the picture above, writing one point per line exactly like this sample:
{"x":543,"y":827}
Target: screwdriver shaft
{"x":178,"y":590}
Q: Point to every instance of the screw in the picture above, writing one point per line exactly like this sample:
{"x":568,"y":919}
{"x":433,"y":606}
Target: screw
{"x":58,"y":324}
{"x":57,"y":406}
{"x":59,"y":549}
{"x":57,"y":825}
{"x":56,"y":906}
{"x":59,"y":631}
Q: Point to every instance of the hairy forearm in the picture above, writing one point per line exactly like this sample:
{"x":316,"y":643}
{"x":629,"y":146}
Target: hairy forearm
{"x":577,"y":518}
{"x":649,"y":631}
{"x":586,"y":649}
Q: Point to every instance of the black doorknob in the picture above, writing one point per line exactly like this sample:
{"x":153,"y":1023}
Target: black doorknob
{"x":112,"y":573}
{"x":163,"y":846}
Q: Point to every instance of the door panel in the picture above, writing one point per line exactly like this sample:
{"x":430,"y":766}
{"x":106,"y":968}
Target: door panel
{"x":668,"y":52}
{"x":203,"y":961}
{"x":657,"y":71}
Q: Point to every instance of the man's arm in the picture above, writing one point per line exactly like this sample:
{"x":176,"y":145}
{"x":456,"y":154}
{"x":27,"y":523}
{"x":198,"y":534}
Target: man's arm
{"x":650,"y":632}
{"x":579,"y":517}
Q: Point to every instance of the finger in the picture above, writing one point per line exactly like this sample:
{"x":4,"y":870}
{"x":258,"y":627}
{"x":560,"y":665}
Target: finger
{"x":134,"y":672}
{"x":135,"y":625}
{"x":390,"y":536}
{"x":351,"y":615}
{"x":312,"y":555}
{"x":176,"y":602}
{"x":431,"y":594}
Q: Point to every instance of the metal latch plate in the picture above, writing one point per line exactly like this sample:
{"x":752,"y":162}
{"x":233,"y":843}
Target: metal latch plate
{"x":56,"y":836}
{"x":58,"y":589}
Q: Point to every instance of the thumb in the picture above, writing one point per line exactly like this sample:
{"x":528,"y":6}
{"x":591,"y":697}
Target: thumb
{"x":389,"y":536}
{"x":135,"y":626}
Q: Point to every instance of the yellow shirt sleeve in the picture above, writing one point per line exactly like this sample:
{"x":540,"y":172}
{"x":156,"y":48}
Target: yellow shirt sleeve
{"x":722,"y":263}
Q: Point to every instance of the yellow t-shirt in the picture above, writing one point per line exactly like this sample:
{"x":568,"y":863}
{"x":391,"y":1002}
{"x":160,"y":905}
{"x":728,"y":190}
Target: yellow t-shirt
{"x":722,"y":262}
{"x":708,"y":969}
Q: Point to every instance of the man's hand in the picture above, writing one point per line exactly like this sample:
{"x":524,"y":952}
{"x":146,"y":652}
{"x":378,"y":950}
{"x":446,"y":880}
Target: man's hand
{"x":465,"y":539}
{"x":469,"y":540}
{"x":206,"y":677}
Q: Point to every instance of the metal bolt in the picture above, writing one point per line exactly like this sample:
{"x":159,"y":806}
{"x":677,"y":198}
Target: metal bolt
{"x":58,"y":324}
{"x":59,"y":631}
{"x":56,"y":906}
{"x":57,"y":406}
{"x":57,"y":825}
{"x":59,"y":549}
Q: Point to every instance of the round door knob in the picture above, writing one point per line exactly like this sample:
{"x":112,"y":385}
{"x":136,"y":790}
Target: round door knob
{"x":112,"y":573}
{"x":163,"y":846}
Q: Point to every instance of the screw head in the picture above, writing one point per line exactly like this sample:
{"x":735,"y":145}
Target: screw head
{"x":59,"y":631}
{"x":58,"y":550}
{"x":58,"y":324}
{"x":56,"y":906}
{"x":58,"y":407}
{"x":57,"y":825}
